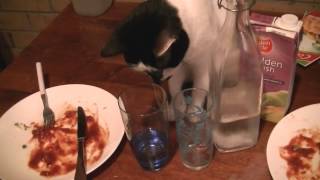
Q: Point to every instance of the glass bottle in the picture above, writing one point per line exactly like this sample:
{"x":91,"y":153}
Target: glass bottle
{"x":236,"y":80}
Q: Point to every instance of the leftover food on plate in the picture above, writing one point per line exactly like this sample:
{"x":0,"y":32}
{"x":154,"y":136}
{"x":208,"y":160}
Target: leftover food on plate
{"x":54,"y":149}
{"x":302,"y":155}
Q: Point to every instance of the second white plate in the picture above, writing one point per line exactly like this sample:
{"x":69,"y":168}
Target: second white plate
{"x":306,"y":117}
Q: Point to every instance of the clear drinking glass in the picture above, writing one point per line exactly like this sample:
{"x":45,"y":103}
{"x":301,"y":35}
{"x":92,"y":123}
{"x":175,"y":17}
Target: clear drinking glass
{"x":236,"y":80}
{"x":144,"y":111}
{"x":193,"y":128}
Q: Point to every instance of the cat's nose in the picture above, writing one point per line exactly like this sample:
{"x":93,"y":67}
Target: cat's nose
{"x":156,"y":76}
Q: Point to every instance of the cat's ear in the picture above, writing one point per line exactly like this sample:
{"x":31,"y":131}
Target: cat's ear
{"x":112,"y":47}
{"x":163,"y":43}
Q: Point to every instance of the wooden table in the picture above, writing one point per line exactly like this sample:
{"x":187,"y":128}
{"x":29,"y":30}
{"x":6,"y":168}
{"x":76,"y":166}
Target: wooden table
{"x":69,"y":49}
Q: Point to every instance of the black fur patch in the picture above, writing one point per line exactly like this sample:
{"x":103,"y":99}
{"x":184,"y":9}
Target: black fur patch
{"x":137,"y":36}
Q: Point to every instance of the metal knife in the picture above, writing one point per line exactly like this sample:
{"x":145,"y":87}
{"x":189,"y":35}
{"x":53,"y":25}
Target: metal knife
{"x":80,"y":168}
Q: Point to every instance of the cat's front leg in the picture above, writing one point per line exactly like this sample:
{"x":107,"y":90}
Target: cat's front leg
{"x":175,"y":84}
{"x":201,"y":81}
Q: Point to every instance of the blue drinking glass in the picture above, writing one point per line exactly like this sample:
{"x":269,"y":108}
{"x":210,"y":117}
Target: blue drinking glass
{"x":144,"y":111}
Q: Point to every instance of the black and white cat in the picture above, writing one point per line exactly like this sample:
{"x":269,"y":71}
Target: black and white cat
{"x":169,"y":39}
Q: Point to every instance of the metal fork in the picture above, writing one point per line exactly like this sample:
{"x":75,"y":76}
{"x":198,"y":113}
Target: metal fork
{"x":48,"y":115}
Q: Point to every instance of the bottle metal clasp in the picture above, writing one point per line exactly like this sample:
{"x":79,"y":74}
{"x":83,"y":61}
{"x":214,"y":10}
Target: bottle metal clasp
{"x":241,"y":5}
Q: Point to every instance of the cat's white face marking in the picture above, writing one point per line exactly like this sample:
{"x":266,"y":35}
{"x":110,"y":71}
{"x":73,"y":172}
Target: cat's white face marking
{"x":144,"y":68}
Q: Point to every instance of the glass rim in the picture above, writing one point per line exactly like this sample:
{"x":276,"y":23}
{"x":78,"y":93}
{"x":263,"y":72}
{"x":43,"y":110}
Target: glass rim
{"x":161,"y":105}
{"x":190,"y":89}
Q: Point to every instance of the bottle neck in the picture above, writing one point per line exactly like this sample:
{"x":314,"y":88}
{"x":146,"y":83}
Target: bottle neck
{"x":237,"y":13}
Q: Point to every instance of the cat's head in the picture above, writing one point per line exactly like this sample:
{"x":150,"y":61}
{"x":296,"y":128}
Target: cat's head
{"x":151,"y":39}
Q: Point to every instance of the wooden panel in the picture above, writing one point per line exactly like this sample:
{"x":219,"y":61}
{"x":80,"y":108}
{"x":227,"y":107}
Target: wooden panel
{"x":281,"y":7}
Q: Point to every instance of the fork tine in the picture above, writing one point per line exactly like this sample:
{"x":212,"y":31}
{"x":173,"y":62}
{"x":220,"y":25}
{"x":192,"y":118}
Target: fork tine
{"x":48,"y":115}
{"x":51,"y":118}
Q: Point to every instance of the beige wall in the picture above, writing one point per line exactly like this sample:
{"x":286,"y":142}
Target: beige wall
{"x":22,"y":20}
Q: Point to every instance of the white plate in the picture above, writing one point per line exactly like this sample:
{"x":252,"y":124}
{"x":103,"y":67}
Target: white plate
{"x":305,"y":117}
{"x":14,"y":159}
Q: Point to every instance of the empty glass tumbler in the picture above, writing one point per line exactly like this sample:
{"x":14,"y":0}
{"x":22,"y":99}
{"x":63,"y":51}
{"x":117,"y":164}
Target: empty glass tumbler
{"x":193,"y":128}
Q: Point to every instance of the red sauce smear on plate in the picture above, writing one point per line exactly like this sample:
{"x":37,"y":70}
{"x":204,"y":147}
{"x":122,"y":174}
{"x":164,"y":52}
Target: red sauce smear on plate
{"x":55,"y":148}
{"x":299,"y":154}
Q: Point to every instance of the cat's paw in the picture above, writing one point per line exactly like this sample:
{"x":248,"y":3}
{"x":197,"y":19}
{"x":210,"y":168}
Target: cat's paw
{"x":171,"y":116}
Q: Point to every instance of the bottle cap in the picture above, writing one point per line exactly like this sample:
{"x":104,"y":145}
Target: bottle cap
{"x":289,"y":20}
